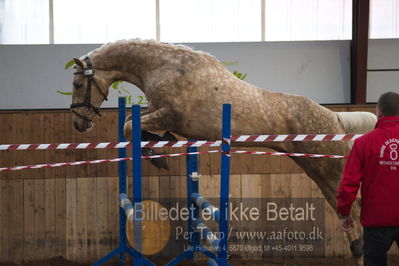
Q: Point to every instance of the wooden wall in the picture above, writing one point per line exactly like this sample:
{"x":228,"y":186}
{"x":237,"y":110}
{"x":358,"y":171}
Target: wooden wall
{"x":72,"y":211}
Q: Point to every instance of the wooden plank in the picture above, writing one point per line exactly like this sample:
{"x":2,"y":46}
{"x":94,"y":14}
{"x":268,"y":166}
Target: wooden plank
{"x":5,"y":188}
{"x":275,"y":165}
{"x":145,"y":187}
{"x":247,"y":161}
{"x":6,"y":208}
{"x":102,"y":135}
{"x":48,"y":134}
{"x":40,"y":219}
{"x":175,"y":187}
{"x":81,"y":155}
{"x":261,"y":163}
{"x":60,"y":216}
{"x":2,"y":214}
{"x":214,"y":184}
{"x":204,"y":161}
{"x":59,"y":136}
{"x":173,"y":162}
{"x":214,"y":159}
{"x":266,"y":186}
{"x":279,"y":187}
{"x":235,"y":186}
{"x":112,"y":135}
{"x":26,"y":136}
{"x":113,"y":210}
{"x":92,"y":219}
{"x":70,"y":155}
{"x":153,"y":187}
{"x":251,"y":194}
{"x":103,"y":241}
{"x":50,"y":221}
{"x":236,"y":197}
{"x":204,"y":186}
{"x":91,"y":136}
{"x":38,"y":137}
{"x":71,"y":219}
{"x":17,"y":200}
{"x":81,"y":218}
{"x":164,"y":184}
{"x":251,"y":186}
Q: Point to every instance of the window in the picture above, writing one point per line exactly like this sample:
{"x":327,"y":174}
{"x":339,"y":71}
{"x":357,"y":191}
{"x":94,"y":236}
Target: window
{"x":308,"y":20}
{"x":24,"y":21}
{"x":101,"y":21}
{"x":384,"y":19}
{"x":210,"y":21}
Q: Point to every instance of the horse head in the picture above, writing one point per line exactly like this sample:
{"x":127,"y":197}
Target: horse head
{"x":90,"y":89}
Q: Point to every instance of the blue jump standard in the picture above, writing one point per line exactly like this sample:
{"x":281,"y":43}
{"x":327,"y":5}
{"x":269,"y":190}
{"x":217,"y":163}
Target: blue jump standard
{"x":123,"y":247}
{"x":196,"y":228}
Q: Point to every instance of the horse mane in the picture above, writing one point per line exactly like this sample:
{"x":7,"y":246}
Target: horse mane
{"x":357,"y":122}
{"x":149,"y":42}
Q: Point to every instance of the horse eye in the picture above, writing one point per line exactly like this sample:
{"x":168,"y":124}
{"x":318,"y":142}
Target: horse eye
{"x":77,"y":85}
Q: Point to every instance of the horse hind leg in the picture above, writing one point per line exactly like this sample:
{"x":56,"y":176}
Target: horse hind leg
{"x":147,"y":118}
{"x":150,"y":121}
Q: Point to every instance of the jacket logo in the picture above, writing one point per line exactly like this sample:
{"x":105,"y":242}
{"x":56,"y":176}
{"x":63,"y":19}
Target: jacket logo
{"x":394,"y":153}
{"x":390,"y":147}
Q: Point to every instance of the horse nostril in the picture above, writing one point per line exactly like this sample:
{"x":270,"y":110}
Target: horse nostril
{"x":77,"y":127}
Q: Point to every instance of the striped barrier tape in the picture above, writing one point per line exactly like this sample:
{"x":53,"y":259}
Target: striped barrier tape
{"x":294,"y":154}
{"x":50,"y":165}
{"x":107,"y":145}
{"x":300,"y":137}
{"x":179,"y":144}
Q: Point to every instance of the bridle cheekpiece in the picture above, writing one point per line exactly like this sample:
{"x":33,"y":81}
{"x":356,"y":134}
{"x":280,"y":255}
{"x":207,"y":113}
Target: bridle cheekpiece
{"x":88,"y":72}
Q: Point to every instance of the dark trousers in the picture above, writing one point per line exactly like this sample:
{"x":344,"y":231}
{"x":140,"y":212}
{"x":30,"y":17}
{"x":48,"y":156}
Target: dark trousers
{"x":376,"y":243}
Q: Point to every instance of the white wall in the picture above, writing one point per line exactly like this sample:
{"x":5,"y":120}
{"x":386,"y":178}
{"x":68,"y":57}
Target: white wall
{"x":31,"y":74}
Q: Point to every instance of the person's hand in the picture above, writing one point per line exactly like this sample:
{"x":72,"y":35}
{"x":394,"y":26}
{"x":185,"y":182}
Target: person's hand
{"x":346,"y":223}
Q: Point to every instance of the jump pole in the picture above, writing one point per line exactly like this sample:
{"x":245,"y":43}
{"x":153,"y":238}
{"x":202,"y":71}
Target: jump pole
{"x":126,"y":207}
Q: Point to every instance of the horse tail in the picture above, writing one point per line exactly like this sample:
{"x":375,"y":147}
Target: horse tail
{"x":357,"y":122}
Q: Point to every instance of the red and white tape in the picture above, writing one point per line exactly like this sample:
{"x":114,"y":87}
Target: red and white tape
{"x":291,"y":154}
{"x":107,"y":145}
{"x":301,"y":137}
{"x":179,"y":144}
{"x":38,"y":166}
{"x":49,"y":165}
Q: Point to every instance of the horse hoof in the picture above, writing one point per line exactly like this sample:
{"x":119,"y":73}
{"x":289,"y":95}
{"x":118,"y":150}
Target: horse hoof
{"x":128,"y":118}
{"x":357,"y":248}
{"x":169,"y":136}
{"x":160,"y":162}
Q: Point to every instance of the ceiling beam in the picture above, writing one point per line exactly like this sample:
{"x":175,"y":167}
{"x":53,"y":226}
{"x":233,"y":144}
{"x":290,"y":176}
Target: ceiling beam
{"x":359,"y":50}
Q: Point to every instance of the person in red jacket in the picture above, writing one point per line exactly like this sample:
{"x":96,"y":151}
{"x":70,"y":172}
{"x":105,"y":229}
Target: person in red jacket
{"x":373,"y":164}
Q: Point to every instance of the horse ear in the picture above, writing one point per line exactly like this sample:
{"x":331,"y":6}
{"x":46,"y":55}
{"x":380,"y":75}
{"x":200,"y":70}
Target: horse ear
{"x":78,"y":62}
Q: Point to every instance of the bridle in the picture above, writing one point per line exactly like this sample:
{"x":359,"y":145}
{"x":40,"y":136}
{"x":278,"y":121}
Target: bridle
{"x":89,"y":73}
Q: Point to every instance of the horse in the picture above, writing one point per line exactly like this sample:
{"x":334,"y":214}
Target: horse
{"x":185,"y":90}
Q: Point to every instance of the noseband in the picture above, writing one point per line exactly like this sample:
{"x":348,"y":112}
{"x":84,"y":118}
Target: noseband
{"x":89,"y":73}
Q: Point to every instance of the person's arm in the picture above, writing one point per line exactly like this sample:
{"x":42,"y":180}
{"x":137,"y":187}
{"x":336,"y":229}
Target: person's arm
{"x":350,"y":183}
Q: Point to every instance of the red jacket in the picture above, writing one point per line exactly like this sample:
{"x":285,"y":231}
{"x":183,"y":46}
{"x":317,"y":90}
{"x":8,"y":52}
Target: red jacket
{"x":374,"y":163}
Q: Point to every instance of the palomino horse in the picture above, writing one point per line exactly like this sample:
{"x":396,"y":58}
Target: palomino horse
{"x":185,"y":90}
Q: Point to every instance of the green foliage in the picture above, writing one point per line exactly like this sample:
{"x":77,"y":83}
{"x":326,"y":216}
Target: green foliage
{"x":69,"y":64}
{"x":116,"y":84}
{"x":239,"y":75}
{"x":64,"y":93}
